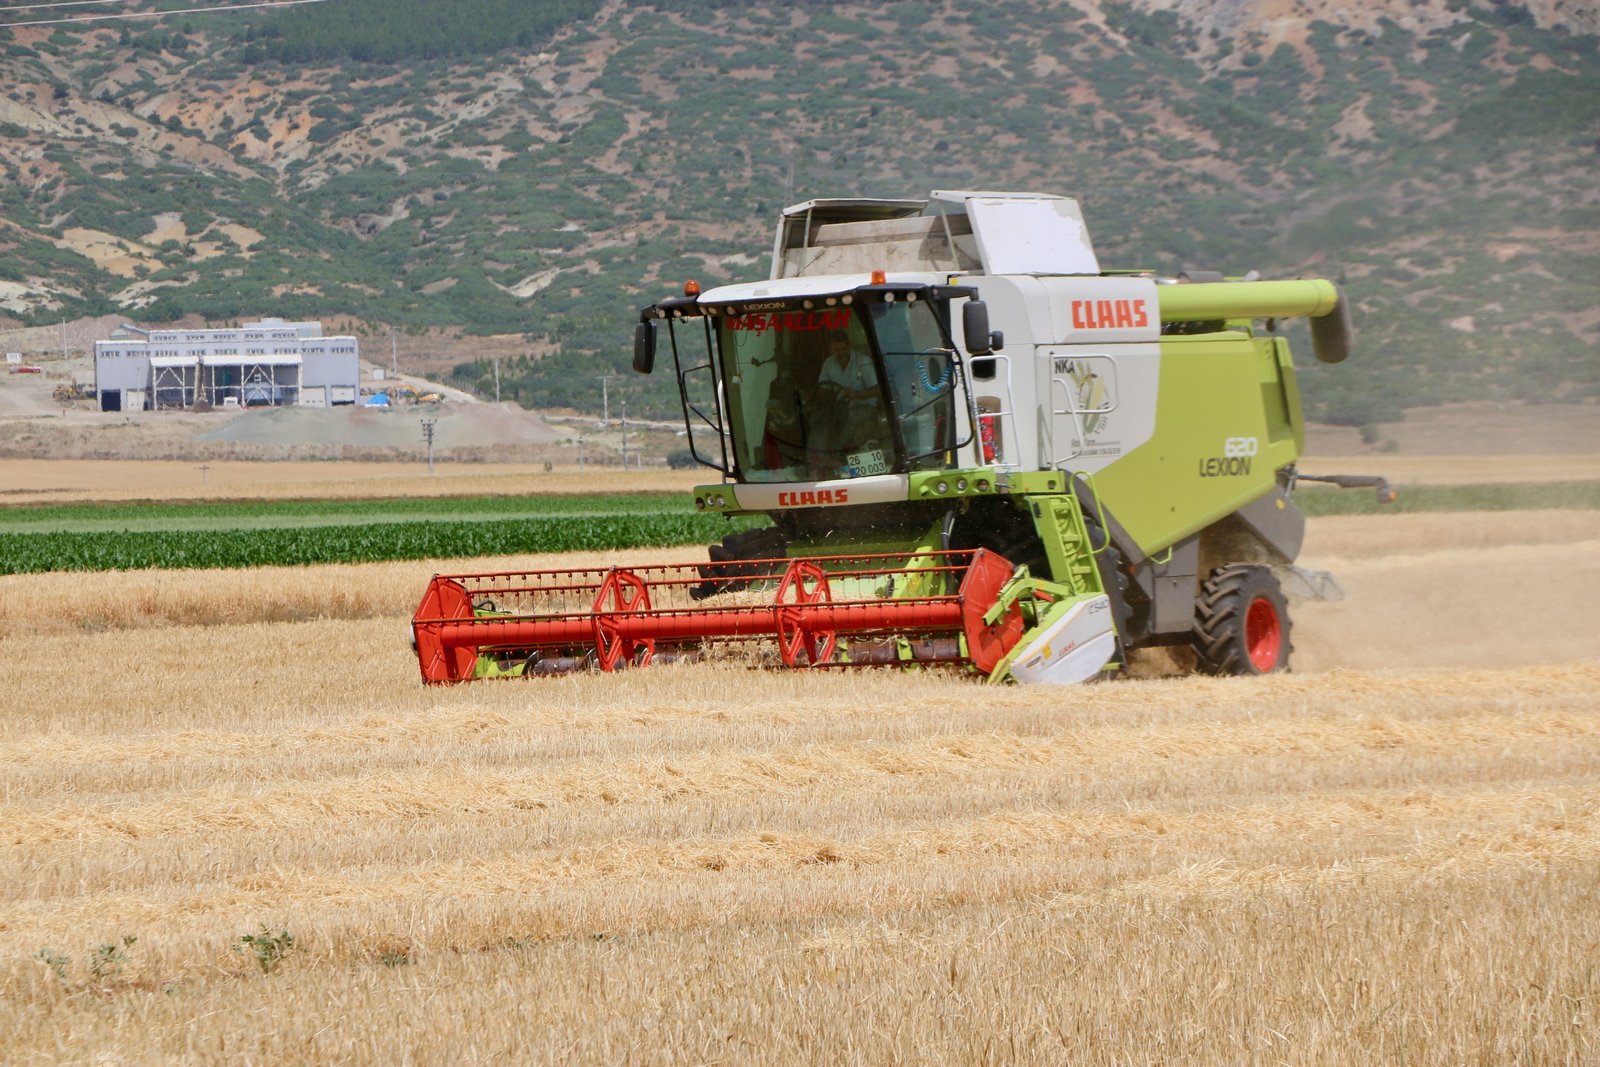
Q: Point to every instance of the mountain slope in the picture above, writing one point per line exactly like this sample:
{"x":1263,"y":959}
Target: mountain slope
{"x":1435,"y":156}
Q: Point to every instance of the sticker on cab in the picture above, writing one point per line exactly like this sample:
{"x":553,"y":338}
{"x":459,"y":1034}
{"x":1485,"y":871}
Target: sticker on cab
{"x":872,"y":462}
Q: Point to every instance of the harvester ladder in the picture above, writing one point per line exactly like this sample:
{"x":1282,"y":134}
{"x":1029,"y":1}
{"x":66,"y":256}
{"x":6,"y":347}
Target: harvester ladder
{"x":1066,"y":543}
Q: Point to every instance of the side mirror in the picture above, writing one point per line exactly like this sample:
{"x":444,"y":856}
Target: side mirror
{"x":644,"y":347}
{"x":975,"y":327}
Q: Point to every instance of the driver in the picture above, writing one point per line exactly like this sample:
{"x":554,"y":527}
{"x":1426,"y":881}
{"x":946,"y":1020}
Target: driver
{"x":848,"y":370}
{"x":845,"y":406}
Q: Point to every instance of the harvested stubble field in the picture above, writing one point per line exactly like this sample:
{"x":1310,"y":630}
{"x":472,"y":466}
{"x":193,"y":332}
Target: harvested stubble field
{"x":57,"y":481}
{"x":1392,"y":855}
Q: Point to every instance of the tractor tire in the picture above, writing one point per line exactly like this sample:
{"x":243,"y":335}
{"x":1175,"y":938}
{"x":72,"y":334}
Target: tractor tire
{"x":726,"y":572}
{"x":1241,"y":622}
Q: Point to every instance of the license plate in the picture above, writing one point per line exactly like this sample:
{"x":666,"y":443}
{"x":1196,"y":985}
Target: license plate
{"x":872,"y":462}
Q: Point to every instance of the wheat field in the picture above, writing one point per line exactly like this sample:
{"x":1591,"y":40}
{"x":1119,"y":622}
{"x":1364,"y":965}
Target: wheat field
{"x":57,"y":481}
{"x":1391,"y":855}
{"x":60,"y":481}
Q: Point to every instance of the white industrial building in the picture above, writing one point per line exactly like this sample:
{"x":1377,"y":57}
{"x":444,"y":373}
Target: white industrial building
{"x":259,"y":364}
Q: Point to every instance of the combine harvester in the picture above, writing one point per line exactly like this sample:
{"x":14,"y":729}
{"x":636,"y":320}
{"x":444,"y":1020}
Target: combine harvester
{"x":1112,"y":469}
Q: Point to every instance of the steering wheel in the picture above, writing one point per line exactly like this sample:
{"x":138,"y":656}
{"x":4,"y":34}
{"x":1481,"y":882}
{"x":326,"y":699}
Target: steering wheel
{"x":829,"y":394}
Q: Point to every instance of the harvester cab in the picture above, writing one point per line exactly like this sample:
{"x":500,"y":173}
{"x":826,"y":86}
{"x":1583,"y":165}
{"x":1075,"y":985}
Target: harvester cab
{"x":971,"y":444}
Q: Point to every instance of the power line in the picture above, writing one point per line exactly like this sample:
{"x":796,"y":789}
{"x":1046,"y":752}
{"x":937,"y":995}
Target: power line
{"x":155,"y":14}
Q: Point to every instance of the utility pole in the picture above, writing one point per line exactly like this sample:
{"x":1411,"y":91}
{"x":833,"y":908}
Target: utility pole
{"x":605,"y":399}
{"x":580,"y":453}
{"x":624,"y":435}
{"x":427,"y":435}
{"x":204,"y":467}
{"x":394,"y":355}
{"x":497,"y":379}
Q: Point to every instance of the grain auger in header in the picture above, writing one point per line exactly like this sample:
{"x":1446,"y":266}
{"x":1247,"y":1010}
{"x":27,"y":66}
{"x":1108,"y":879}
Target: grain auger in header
{"x":970,"y":445}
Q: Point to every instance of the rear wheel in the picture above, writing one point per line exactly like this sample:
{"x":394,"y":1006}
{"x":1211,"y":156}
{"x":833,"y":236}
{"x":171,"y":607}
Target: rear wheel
{"x":1241,"y":622}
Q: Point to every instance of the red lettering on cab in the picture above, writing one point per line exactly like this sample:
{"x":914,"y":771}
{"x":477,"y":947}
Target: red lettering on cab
{"x":811,"y":498}
{"x":1109,"y":314}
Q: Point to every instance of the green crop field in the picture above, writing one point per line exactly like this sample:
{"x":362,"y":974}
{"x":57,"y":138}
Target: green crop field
{"x":1314,"y":500}
{"x":99,"y":537}
{"x":93,"y":537}
{"x":248,"y":514}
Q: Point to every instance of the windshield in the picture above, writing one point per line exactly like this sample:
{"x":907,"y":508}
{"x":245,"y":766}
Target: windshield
{"x":807,"y":401}
{"x":922,"y":372}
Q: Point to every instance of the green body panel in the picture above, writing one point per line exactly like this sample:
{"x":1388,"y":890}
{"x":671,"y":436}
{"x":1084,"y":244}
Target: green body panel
{"x":488,"y":666}
{"x":1290,"y":388}
{"x":951,"y":484}
{"x":848,"y":544}
{"x":913,"y":548}
{"x":1047,"y":481}
{"x":1227,"y":418}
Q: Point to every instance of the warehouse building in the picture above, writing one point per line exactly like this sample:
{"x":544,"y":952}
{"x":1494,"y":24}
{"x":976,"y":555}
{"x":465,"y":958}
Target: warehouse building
{"x":271,"y":363}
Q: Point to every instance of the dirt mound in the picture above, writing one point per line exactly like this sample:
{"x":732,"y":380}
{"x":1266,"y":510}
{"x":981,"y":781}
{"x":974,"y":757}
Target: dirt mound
{"x":360,"y":427}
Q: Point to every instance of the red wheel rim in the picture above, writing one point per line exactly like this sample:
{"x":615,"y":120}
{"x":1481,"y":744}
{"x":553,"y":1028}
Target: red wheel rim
{"x":1263,"y":634}
{"x":803,"y":583}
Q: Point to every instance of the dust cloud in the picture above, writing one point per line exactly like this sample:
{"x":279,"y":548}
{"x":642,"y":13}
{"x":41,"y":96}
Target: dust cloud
{"x":1453,"y":591}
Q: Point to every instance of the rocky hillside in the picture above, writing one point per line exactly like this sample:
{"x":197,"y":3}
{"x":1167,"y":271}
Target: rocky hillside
{"x":399,"y":165}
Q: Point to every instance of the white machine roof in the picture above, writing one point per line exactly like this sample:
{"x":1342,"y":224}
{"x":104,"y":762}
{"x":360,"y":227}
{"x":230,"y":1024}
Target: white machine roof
{"x":958,"y":231}
{"x":1034,"y":235}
